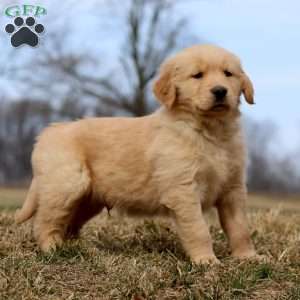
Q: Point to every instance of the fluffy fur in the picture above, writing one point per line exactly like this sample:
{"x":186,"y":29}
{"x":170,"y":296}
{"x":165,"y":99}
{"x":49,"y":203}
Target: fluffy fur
{"x":183,"y":159}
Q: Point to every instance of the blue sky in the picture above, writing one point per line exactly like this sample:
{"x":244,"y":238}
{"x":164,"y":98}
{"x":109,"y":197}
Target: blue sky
{"x":265,"y":34}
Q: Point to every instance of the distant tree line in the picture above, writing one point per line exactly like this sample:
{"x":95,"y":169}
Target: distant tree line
{"x":270,"y":168}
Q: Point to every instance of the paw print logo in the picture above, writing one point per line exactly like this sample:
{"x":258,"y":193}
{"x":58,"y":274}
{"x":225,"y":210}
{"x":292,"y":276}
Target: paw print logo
{"x":22,"y":34}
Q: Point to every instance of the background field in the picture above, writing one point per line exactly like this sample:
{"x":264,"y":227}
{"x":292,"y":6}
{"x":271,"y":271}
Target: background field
{"x":12,"y":198}
{"x":121,"y":258}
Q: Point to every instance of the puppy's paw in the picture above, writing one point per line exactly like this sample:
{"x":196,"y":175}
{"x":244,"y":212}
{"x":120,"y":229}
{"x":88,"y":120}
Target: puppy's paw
{"x":17,"y":217}
{"x":259,"y":258}
{"x":206,"y":260}
{"x":250,"y":255}
{"x":51,"y":243}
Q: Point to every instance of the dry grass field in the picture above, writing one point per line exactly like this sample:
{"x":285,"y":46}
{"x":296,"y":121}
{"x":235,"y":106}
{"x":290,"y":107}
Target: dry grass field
{"x":121,"y":258}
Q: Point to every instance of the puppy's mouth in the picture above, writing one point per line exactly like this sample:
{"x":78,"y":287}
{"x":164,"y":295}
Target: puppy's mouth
{"x":214,"y":109}
{"x":220,"y":107}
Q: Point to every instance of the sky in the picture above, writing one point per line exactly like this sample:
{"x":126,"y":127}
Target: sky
{"x":265,"y":34}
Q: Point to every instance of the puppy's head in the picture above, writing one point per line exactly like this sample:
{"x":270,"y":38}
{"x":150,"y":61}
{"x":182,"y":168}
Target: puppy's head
{"x":204,"y":80}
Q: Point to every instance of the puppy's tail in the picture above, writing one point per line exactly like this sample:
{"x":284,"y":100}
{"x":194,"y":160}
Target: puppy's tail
{"x":29,"y":206}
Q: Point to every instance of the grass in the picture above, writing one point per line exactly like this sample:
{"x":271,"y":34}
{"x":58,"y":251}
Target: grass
{"x":122,"y":258}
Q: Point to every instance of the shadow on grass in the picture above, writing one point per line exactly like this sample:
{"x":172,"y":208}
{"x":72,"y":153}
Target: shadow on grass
{"x":147,"y":238}
{"x":69,"y":253}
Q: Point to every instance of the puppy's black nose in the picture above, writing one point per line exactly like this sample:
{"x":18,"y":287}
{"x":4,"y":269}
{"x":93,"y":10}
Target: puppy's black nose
{"x":219,"y":93}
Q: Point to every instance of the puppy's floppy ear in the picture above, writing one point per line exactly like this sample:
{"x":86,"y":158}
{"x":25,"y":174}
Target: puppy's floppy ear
{"x":164,"y":88}
{"x":247,"y":88}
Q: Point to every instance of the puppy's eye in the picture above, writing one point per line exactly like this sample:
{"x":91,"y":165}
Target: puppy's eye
{"x":227,"y":73}
{"x":198,"y":75}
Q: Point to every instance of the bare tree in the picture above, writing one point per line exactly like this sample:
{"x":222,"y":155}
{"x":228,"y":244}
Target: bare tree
{"x":149,"y":38}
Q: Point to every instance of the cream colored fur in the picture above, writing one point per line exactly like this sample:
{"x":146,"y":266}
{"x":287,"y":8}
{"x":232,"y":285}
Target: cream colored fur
{"x":183,"y":159}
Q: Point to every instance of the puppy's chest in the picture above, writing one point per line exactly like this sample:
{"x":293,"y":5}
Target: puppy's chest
{"x":217,"y":161}
{"x":215,"y":167}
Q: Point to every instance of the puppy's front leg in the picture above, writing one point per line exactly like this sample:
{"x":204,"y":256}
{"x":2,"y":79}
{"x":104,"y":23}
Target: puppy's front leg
{"x":231,"y":209}
{"x":191,"y":226}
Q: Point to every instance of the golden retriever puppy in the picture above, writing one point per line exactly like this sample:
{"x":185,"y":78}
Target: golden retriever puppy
{"x":183,"y":159}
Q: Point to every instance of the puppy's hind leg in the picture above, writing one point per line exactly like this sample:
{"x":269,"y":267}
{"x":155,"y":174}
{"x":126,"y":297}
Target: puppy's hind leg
{"x":58,"y":198}
{"x":87,"y":209}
